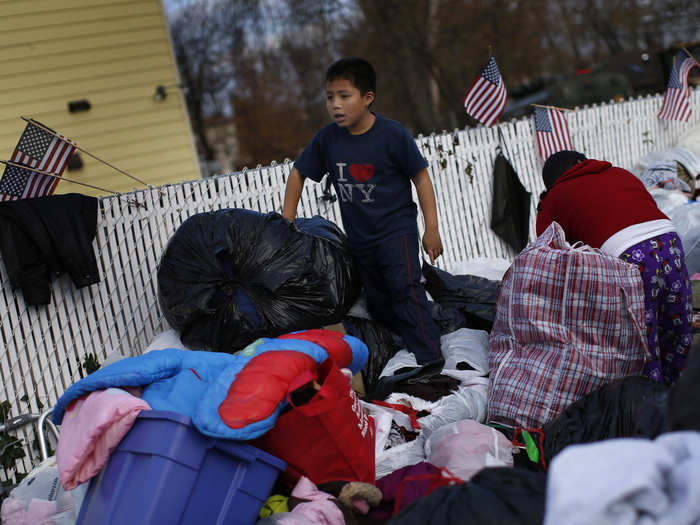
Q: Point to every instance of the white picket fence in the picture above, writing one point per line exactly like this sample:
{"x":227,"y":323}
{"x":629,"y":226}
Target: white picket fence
{"x":41,"y":347}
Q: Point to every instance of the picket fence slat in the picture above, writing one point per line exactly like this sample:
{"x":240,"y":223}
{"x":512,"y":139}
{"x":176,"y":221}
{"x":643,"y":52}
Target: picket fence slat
{"x":42,"y":347}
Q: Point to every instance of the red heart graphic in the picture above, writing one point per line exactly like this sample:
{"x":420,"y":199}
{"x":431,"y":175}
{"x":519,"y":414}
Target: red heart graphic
{"x":361,"y":172}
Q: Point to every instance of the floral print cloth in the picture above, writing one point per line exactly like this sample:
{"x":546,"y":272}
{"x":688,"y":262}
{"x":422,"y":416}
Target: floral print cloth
{"x":668,"y":303}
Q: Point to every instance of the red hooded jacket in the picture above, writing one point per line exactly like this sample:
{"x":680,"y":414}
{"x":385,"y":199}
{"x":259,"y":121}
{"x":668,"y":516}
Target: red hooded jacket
{"x":594,"y":200}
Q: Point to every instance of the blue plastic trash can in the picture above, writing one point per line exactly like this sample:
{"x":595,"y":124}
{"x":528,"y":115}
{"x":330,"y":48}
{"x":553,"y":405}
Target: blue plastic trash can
{"x":165,"y":472}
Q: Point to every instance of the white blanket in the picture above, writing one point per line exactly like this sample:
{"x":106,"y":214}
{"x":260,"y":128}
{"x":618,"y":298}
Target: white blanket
{"x":627,"y":481}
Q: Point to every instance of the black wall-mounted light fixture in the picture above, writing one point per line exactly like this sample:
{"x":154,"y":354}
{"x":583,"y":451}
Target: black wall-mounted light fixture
{"x":76,"y":106}
{"x":161,"y":92}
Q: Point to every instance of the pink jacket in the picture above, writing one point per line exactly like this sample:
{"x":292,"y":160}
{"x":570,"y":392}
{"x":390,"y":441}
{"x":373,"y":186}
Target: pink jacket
{"x":91,"y":429}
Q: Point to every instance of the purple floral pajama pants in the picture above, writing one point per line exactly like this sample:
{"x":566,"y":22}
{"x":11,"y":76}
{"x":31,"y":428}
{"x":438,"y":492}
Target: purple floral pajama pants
{"x":668,"y":303}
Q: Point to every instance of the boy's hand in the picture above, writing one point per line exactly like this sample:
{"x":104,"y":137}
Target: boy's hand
{"x":432,"y":244}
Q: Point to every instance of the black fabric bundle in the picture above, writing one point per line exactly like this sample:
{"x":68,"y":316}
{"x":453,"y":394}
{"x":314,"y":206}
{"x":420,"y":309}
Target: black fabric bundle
{"x":494,"y":496}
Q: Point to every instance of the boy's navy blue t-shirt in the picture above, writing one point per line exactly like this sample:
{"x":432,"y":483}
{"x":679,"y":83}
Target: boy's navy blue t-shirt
{"x":371,"y":174}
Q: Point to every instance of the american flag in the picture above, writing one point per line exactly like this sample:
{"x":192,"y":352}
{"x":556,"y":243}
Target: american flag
{"x":552,"y":131}
{"x":675,"y":105}
{"x":486,"y":97}
{"x":41,"y":150}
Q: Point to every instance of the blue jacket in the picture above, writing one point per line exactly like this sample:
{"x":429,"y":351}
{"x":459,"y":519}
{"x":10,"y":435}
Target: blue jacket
{"x":196,"y":383}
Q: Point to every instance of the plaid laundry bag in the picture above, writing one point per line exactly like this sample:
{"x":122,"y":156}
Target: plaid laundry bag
{"x":568,"y":320}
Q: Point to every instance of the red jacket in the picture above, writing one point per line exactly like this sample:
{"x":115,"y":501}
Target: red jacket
{"x":594,"y":200}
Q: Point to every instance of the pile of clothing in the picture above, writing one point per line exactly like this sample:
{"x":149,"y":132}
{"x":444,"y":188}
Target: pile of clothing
{"x":539,"y":388}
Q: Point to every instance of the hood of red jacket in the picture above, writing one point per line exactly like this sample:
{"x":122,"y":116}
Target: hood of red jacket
{"x":587,"y":167}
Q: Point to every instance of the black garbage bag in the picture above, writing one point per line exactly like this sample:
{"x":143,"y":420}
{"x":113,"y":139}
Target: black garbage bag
{"x":494,"y":496}
{"x":471,"y":294}
{"x":683,"y":406}
{"x":381,"y":342}
{"x":633,"y":406}
{"x":230,"y":276}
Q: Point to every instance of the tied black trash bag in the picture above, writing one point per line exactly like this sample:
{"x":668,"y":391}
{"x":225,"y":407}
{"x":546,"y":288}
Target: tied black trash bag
{"x":633,"y":406}
{"x":683,"y":408}
{"x":230,"y":276}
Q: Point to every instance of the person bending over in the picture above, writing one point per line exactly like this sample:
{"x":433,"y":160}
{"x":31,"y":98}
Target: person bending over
{"x":609,"y":208}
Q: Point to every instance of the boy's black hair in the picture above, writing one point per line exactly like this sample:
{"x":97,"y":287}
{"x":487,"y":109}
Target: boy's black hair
{"x":357,"y":70}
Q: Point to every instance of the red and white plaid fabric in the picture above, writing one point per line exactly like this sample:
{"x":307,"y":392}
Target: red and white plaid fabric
{"x":568,"y":320}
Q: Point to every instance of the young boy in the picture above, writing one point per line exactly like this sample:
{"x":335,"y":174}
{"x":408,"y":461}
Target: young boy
{"x":371,"y":161}
{"x":609,"y":208}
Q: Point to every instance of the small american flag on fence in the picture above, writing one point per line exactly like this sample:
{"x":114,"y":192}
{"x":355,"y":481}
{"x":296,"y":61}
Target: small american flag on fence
{"x":676,"y":105}
{"x":486,"y":97}
{"x":552,"y":131}
{"x":41,"y":150}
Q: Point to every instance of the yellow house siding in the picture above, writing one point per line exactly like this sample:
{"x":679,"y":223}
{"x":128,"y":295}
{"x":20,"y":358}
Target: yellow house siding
{"x":113,"y":54}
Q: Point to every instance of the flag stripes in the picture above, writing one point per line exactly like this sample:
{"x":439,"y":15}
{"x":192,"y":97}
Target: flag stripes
{"x":41,"y":150}
{"x":552,"y":131}
{"x":485,"y":99}
{"x":676,"y":105}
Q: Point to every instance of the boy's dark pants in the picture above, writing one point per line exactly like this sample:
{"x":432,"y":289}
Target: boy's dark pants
{"x":390,"y":271}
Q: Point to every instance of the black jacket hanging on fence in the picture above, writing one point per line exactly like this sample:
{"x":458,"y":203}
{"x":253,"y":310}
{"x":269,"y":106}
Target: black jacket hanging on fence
{"x":44,"y":237}
{"x":510,"y":212}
